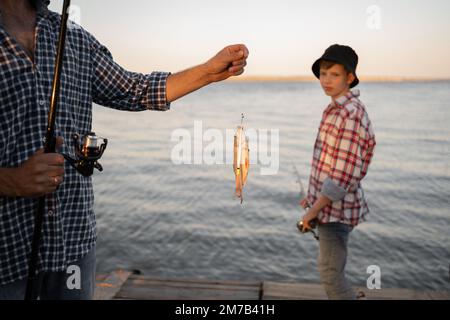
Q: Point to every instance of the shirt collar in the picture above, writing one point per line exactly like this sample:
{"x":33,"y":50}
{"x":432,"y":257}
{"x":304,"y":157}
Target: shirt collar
{"x":40,"y":5}
{"x":341,"y":101}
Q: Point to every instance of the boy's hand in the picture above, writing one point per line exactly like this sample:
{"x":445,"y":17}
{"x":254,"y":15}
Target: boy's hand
{"x":307,"y":218}
{"x":304,"y":203}
{"x":40,"y":174}
{"x":230,"y":61}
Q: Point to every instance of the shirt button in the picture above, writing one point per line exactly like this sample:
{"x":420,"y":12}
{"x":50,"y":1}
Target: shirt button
{"x":41,"y":102}
{"x":50,"y":212}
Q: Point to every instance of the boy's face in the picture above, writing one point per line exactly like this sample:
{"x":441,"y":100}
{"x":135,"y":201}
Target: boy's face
{"x":335,"y":81}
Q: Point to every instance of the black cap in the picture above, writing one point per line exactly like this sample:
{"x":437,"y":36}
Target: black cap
{"x":340,"y":54}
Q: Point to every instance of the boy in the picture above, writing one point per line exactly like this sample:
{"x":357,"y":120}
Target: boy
{"x":342,"y":154}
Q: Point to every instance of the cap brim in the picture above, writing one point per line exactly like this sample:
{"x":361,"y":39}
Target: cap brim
{"x":355,"y":82}
{"x":316,"y":65}
{"x":316,"y":70}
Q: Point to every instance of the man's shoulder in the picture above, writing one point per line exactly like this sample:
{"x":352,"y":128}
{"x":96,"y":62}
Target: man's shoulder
{"x":73,"y":28}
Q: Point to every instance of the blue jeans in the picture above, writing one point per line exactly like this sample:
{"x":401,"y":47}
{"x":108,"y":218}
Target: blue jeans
{"x":55,"y":285}
{"x":332,"y":259}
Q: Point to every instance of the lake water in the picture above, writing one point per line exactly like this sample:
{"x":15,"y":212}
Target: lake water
{"x":182,"y":221}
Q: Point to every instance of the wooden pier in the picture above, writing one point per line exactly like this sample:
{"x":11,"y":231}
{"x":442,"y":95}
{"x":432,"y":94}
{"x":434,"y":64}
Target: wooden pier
{"x":126,"y":285}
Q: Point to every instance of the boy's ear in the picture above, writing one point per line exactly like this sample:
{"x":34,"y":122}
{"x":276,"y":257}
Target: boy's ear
{"x":350,"y":78}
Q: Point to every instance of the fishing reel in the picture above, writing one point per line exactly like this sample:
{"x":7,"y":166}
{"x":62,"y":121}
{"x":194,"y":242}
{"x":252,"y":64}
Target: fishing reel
{"x":88,"y":149}
{"x":313,"y":224}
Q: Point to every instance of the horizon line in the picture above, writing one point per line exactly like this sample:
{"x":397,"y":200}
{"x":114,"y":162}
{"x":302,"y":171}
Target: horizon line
{"x":303,"y":78}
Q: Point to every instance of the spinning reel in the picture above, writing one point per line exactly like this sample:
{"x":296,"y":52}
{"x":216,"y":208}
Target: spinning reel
{"x":88,"y":149}
{"x":313,"y":223}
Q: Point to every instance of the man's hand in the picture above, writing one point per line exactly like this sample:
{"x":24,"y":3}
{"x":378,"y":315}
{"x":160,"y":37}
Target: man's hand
{"x":230,"y":61}
{"x":40,"y":174}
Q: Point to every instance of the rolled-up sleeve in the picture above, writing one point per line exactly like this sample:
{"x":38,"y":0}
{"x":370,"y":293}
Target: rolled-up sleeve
{"x":346,"y":162}
{"x":115,"y":87}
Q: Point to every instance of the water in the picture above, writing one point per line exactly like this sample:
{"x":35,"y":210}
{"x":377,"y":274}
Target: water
{"x":181,"y":221}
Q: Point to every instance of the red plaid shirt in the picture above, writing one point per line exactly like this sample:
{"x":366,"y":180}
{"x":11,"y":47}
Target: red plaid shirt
{"x":342,"y":153}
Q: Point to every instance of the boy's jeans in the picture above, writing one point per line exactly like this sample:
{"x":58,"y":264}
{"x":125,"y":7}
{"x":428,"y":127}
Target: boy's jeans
{"x":332,"y":259}
{"x":54,"y":285}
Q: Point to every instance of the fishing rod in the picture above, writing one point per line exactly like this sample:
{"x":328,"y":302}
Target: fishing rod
{"x":88,"y":149}
{"x":312,"y":223}
{"x":49,"y":147}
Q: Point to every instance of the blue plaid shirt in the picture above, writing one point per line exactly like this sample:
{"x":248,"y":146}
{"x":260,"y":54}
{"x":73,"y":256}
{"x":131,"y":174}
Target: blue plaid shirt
{"x":89,"y":74}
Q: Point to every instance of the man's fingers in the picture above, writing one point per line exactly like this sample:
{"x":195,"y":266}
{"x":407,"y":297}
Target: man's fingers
{"x":40,"y":151}
{"x":246,"y":52}
{"x":238,"y":51}
{"x":241,"y":62}
{"x":56,"y":172}
{"x":236,"y":48}
{"x":51,"y":182}
{"x":236,"y":71}
{"x":237,"y":55}
{"x":56,"y":181}
{"x":59,"y":142}
{"x":237,"y":66}
{"x":52,"y":159}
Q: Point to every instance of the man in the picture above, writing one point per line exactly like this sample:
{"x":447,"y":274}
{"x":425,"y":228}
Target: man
{"x":28,"y":40}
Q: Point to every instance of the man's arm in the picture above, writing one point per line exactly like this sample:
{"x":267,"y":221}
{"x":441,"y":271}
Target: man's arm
{"x":230,"y":61}
{"x":115,"y":87}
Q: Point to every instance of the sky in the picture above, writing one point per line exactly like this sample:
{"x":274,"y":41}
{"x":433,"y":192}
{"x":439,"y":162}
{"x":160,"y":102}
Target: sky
{"x":406,"y":38}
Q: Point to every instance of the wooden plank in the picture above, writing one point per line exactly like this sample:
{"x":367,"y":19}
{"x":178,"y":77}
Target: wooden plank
{"x":143,"y":279}
{"x":292,"y":291}
{"x":126,"y":285}
{"x":395,"y":294}
{"x":191,"y":292}
{"x":184,"y":294}
{"x":297,"y":291}
{"x":141,"y":288}
{"x":99,"y":277}
{"x":439,"y":295}
{"x":108,"y":288}
{"x":139,"y":281}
